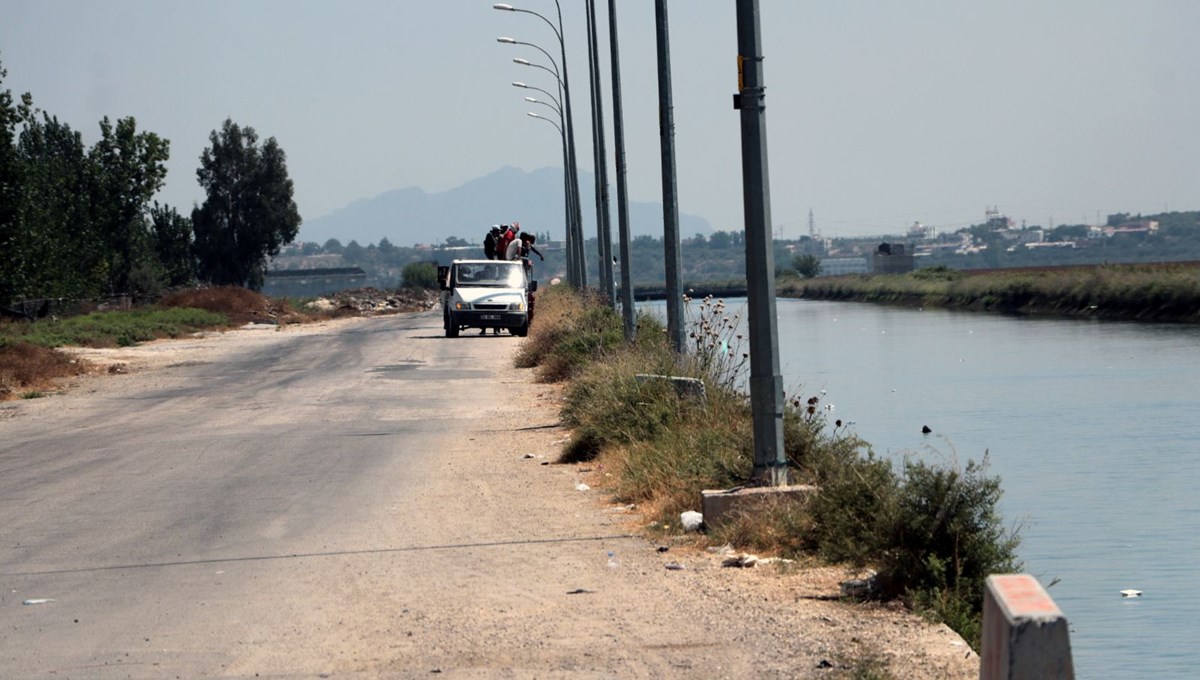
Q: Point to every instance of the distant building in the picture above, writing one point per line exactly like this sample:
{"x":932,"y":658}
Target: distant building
{"x":840,"y":266}
{"x":891,"y":258}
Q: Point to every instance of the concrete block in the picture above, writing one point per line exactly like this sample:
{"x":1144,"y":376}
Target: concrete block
{"x":1025,"y":634}
{"x":719,"y":505}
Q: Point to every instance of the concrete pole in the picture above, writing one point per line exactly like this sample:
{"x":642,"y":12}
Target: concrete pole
{"x":666,"y":134}
{"x":766,"y":386}
{"x":628,"y":313}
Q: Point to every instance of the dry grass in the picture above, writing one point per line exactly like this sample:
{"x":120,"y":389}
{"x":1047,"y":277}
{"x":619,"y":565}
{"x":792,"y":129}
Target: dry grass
{"x":28,"y":370}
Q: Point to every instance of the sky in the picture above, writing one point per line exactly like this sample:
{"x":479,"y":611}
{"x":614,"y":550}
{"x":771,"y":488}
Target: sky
{"x":879,"y":113}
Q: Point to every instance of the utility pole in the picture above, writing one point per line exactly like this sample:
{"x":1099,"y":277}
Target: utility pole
{"x":666,"y":135}
{"x":628,"y":313}
{"x":766,"y":385}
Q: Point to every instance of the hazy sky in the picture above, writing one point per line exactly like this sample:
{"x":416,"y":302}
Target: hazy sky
{"x":879,"y":113}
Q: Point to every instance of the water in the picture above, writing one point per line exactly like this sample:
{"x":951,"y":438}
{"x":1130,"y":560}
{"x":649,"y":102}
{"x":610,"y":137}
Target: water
{"x":1093,"y":428}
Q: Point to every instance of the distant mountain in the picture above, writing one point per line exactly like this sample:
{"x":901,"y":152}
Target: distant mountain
{"x":535,"y":199}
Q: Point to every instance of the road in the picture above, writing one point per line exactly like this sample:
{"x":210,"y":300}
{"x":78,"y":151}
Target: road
{"x":359,"y":499}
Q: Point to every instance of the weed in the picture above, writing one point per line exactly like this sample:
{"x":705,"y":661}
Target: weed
{"x":932,"y":531}
{"x":27,"y":369}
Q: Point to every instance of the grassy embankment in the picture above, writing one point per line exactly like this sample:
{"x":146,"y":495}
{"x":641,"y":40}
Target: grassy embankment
{"x":932,"y":530}
{"x":30,"y":365}
{"x":1161,"y":292}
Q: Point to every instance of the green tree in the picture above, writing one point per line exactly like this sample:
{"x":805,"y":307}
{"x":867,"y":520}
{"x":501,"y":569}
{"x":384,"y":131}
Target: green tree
{"x":54,"y":250}
{"x":173,"y":245}
{"x":129,"y":168}
{"x":354,"y":253}
{"x":334,"y":247}
{"x":10,"y":180}
{"x":249,"y":213}
{"x":420,"y":275}
{"x":807,"y":265}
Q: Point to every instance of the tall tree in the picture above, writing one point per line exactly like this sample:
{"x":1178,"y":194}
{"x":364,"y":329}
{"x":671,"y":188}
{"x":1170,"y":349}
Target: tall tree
{"x":173,"y":245}
{"x":129,"y":169}
{"x":249,"y":213}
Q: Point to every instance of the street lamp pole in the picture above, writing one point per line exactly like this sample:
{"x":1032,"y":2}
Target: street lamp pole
{"x":666,"y":132}
{"x":568,"y":197}
{"x":599,"y":154}
{"x":575,"y":243}
{"x":766,"y":386}
{"x":628,"y":314}
{"x":576,"y":267}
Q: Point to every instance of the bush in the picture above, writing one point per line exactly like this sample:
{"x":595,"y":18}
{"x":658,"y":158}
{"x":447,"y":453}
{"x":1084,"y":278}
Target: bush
{"x":420,"y":275}
{"x":933,"y":532}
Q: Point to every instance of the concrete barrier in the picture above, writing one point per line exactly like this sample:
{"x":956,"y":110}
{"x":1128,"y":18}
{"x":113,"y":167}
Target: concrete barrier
{"x":1025,"y":634}
{"x":719,"y":505}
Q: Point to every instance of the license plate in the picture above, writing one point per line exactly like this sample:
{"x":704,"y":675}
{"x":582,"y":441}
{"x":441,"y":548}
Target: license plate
{"x":490,"y":317}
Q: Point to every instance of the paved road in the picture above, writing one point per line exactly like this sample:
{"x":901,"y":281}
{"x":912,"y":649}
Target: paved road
{"x":231,"y":505}
{"x":365,"y":500}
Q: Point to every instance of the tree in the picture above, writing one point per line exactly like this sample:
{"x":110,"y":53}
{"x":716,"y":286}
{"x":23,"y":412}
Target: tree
{"x":420,"y":275}
{"x":333,"y":247}
{"x":807,"y":265}
{"x":173,"y":245}
{"x":129,"y":168}
{"x":249,"y":213}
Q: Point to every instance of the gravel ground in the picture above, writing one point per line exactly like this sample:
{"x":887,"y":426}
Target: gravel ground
{"x":548,"y":600}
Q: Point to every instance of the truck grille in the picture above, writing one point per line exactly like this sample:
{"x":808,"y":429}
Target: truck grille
{"x":491,"y":306}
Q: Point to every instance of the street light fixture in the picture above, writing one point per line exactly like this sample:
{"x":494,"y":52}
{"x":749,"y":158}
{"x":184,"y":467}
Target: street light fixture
{"x":576,"y":242}
{"x":531,"y":114}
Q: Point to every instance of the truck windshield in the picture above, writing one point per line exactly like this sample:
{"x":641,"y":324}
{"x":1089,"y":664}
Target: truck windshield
{"x":491,"y":274}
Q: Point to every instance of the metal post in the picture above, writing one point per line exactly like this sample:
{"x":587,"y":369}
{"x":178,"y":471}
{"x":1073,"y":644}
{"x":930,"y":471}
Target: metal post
{"x":603,"y":228}
{"x":766,"y":386}
{"x":577,"y":241}
{"x":666,"y":134}
{"x":628,"y":313}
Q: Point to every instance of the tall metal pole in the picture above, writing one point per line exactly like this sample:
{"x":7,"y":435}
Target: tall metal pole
{"x":603,"y":228}
{"x":666,"y":133}
{"x":577,"y":242}
{"x":628,"y":313}
{"x":766,"y":386}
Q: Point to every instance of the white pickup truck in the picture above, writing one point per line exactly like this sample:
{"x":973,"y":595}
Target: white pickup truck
{"x":486,"y":294}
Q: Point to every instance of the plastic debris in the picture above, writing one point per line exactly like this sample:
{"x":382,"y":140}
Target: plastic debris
{"x":582,"y":487}
{"x":691,"y":520}
{"x":674,"y":566}
{"x":613,"y":562}
{"x":39,"y":600}
{"x":1130,"y":592}
{"x":740,"y":560}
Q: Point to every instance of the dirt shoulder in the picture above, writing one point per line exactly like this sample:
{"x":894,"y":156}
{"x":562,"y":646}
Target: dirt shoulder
{"x":548,"y":599}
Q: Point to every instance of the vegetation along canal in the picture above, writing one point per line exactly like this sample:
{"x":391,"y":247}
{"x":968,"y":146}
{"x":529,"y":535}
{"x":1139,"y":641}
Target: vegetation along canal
{"x":1090,"y":425}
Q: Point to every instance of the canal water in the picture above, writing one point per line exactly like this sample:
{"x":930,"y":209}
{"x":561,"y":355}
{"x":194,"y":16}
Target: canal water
{"x":1093,"y":428}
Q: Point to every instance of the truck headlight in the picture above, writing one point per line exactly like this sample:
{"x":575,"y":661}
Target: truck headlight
{"x":516,"y":306}
{"x":462,"y":305}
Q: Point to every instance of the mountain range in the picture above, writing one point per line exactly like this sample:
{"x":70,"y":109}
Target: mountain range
{"x":535,"y":199}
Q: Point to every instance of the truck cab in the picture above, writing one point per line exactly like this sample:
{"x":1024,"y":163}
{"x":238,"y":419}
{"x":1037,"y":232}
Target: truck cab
{"x":486,"y":294}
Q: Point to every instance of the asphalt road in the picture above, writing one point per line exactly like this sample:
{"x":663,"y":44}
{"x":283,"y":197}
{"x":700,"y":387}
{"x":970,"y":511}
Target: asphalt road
{"x":225,"y":510}
{"x":368,"y":499}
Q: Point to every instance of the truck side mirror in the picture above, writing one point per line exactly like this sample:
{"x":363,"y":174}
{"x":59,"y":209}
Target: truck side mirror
{"x":533,"y":286}
{"x":443,"y":274}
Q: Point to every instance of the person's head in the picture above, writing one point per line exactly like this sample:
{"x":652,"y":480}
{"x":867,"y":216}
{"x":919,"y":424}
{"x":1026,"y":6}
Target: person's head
{"x":528,"y":237}
{"x":495,"y":229}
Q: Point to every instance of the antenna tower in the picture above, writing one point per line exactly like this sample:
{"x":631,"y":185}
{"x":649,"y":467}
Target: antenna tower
{"x":812,"y":225}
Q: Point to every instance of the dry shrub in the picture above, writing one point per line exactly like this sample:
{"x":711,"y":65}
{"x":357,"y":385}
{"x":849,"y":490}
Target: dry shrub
{"x":26,"y":368}
{"x":241,"y":305}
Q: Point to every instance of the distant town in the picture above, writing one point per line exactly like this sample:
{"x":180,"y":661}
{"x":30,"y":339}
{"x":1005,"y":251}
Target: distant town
{"x":996,"y":242}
